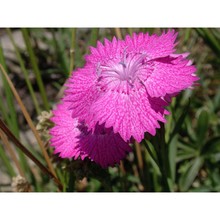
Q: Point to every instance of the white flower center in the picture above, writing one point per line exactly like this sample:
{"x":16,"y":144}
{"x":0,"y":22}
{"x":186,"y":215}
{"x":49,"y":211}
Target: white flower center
{"x":126,"y":74}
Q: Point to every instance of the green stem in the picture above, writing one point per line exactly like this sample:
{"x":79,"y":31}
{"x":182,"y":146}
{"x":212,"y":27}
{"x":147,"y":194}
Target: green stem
{"x":163,"y":159}
{"x":72,"y":49}
{"x":71,"y":184}
{"x":34,"y":64}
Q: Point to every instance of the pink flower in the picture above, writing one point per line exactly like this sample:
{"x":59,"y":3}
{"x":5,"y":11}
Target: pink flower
{"x":72,"y":139}
{"x":126,"y":84}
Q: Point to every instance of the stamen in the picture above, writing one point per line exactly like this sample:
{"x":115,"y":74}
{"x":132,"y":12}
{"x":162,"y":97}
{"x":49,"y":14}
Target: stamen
{"x":127,"y":71}
{"x":123,"y":64}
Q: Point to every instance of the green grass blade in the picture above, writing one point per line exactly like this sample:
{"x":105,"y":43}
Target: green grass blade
{"x":3,"y":111}
{"x":36,"y":70}
{"x":209,"y":38}
{"x":25,"y":72}
{"x":187,"y":34}
{"x":94,"y":36}
{"x":6,"y":161}
{"x":9,"y":112}
{"x":11,"y":117}
{"x":60,"y":51}
{"x":72,"y":49}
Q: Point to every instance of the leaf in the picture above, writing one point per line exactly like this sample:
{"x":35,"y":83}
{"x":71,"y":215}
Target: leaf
{"x":184,"y":156}
{"x":202,"y":127}
{"x":179,"y":122}
{"x":215,"y":158}
{"x":172,"y":157}
{"x":189,"y":176}
{"x":133,"y":179}
{"x":216,"y":100}
{"x":151,"y":150}
{"x":201,"y":189}
{"x":212,"y":146}
{"x":190,"y":131}
{"x":187,"y":147}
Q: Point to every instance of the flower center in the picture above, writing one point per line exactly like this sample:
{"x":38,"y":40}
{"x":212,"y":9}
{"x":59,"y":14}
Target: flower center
{"x":122,"y":75}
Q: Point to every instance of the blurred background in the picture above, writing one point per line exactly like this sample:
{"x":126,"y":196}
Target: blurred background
{"x":39,"y":60}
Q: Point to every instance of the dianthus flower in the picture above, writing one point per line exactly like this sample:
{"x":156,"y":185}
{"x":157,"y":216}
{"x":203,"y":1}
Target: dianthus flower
{"x":126,"y":84}
{"x":71,"y":139}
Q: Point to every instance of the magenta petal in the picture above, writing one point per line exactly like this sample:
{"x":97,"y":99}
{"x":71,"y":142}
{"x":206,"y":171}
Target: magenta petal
{"x":104,"y":146}
{"x":110,"y":50}
{"x":71,"y":139}
{"x":154,"y":46}
{"x":129,"y":115}
{"x":81,"y":92}
{"x":170,"y":75}
{"x":65,"y":132}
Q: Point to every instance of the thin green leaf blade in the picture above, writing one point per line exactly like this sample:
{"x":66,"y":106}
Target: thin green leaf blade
{"x":202,"y":126}
{"x":189,"y":176}
{"x":179,"y":122}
